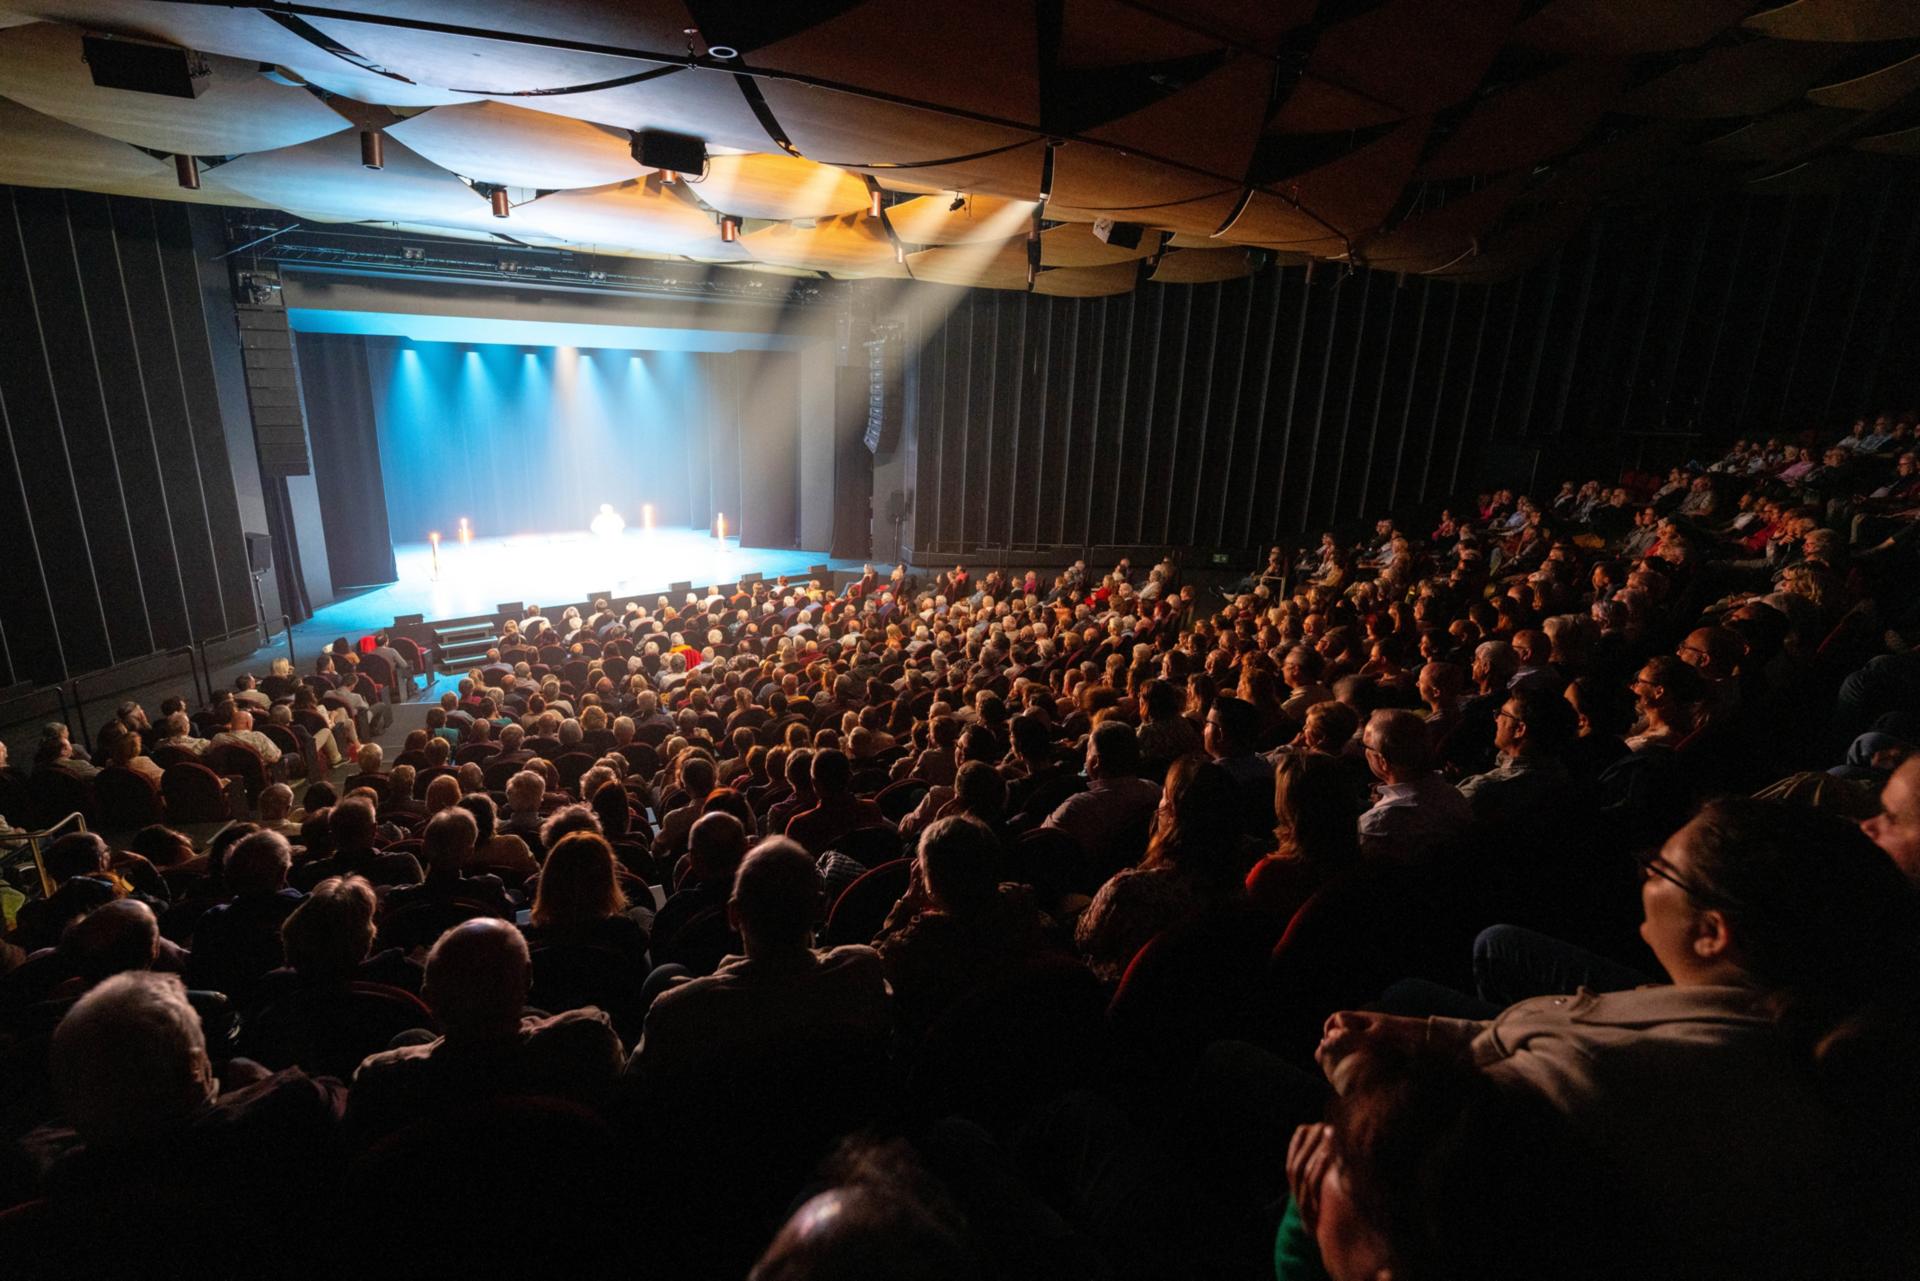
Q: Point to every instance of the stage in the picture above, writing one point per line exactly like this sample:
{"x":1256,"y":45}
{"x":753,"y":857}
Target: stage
{"x":552,"y":569}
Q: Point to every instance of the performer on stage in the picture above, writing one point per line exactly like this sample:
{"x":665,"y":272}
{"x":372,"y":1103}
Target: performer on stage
{"x":608,"y":523}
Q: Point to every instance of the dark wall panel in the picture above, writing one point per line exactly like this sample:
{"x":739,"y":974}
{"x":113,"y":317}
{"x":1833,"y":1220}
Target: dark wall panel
{"x":1222,"y":416}
{"x":114,"y":442}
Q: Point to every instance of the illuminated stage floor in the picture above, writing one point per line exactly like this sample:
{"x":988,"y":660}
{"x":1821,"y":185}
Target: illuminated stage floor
{"x":553,"y":569}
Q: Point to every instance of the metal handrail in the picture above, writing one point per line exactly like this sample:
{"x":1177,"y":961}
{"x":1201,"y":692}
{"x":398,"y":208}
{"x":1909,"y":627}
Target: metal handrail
{"x":200,"y":695}
{"x":33,"y":840}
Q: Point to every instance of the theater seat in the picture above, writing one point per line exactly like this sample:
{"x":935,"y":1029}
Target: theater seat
{"x":194,"y":794}
{"x":863,"y":906}
{"x":127,"y":799}
{"x":1191,"y":985}
{"x":328,"y":1029}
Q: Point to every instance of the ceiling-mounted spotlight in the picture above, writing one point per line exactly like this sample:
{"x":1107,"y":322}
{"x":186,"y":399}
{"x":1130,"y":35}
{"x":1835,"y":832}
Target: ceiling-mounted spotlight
{"x":729,"y":228}
{"x":875,"y":203}
{"x":900,"y":253}
{"x":666,"y":175}
{"x":187,"y":170}
{"x":959,"y":202}
{"x":723,"y":52}
{"x":502,"y":206}
{"x":412,"y":253}
{"x":373,"y":149}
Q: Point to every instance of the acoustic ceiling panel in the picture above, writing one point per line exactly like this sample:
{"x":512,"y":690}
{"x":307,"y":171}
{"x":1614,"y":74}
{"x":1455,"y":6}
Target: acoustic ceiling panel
{"x":1402,"y":58}
{"x":1201,"y":266}
{"x":1529,"y":122}
{"x":1075,"y":245}
{"x":238,"y":33}
{"x":1431,"y":239}
{"x":1778,"y":138}
{"x":240,"y":110}
{"x":39,"y":151}
{"x":514,"y":146}
{"x":323,"y":180}
{"x":634,"y":216}
{"x":778,"y":187}
{"x":1737,"y":80}
{"x":851,"y":245}
{"x":1872,"y":91}
{"x":1088,"y":282}
{"x":1840,"y":20}
{"x":1327,"y":208}
{"x":1619,"y":27}
{"x":931,"y":220}
{"x":1902,"y":142}
{"x":983,"y":266}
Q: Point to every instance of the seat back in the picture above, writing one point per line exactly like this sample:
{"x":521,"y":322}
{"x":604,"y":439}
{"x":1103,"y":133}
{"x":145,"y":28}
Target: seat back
{"x":870,"y":846}
{"x":241,"y":760}
{"x":897,"y":800}
{"x":127,"y":799}
{"x":1341,"y":949}
{"x":57,"y":794}
{"x":165,"y":757}
{"x":329,"y":1030}
{"x":469,"y":752}
{"x":863,"y":906}
{"x":16,"y":797}
{"x":497,"y":773}
{"x":701,"y":943}
{"x":194,"y":794}
{"x":1053,"y":863}
{"x":572,"y":976}
{"x":1192,"y":984}
{"x":381,"y":673}
{"x":421,"y":924}
{"x":570,"y":767}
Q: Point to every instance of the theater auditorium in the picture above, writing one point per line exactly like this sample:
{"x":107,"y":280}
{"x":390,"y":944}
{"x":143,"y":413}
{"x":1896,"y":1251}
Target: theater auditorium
{"x":960,"y":640}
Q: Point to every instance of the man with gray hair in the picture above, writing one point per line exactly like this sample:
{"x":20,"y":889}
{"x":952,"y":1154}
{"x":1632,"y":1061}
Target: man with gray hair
{"x":197,"y":1180}
{"x":478,"y":976}
{"x":446,"y":846}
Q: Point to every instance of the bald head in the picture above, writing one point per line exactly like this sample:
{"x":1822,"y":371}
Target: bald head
{"x":776,"y":897}
{"x":716,"y":844}
{"x":1896,"y":828}
{"x":477,"y":976}
{"x":1714,"y":652}
{"x":113,"y":938}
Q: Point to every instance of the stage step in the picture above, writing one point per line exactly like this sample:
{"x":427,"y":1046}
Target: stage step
{"x":461,"y":646}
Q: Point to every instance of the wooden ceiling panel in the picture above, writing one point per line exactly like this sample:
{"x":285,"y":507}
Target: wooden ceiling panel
{"x":1201,"y":266}
{"x":323,"y":180}
{"x":1233,"y":103}
{"x":1902,"y":142}
{"x":1403,"y":58}
{"x":1739,"y":80}
{"x":1778,"y":138}
{"x":778,"y":187}
{"x":1098,"y":182}
{"x":1529,"y":122}
{"x":629,"y":215}
{"x":1434,"y":238}
{"x":1600,"y":28}
{"x":930,"y":220}
{"x":1075,"y":245}
{"x":1340,"y":201}
{"x":852,"y":244}
{"x":1872,"y":91}
{"x":982,"y":266}
{"x":238,"y":33}
{"x":1846,"y":21}
{"x":956,"y":55}
{"x":240,"y":110}
{"x":496,"y":143}
{"x":1087,"y":282}
{"x":39,"y":151}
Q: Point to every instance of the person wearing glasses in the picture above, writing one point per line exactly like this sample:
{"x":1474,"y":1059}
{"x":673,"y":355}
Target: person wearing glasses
{"x":1415,"y":810}
{"x":1667,"y":693}
{"x":1744,"y":1098}
{"x":1530,"y":730}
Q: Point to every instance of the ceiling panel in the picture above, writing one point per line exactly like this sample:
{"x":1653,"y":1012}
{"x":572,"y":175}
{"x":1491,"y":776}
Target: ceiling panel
{"x":240,"y":110}
{"x":778,"y":187}
{"x":1874,"y":90}
{"x":635,"y":215}
{"x":1402,"y":58}
{"x":1075,"y":245}
{"x":983,"y":266}
{"x":1531,"y":121}
{"x":1199,"y":266}
{"x":323,"y":180}
{"x":1840,"y":20}
{"x":1435,"y":238}
{"x":1088,"y":282}
{"x":852,"y":244}
{"x":1614,"y":27}
{"x":1738,"y":80}
{"x":493,"y":142}
{"x":1338,"y":202}
{"x":931,"y":220}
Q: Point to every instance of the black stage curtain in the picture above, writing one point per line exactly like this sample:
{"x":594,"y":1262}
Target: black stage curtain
{"x":346,"y":458}
{"x":286,"y":549}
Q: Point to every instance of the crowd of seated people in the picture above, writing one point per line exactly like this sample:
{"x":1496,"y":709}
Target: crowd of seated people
{"x":1531,"y":897}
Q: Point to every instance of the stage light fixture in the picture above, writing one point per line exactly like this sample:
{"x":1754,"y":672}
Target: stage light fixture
{"x":373,"y":149}
{"x":187,"y":170}
{"x":900,"y":253}
{"x":959,"y":202}
{"x":729,"y":228}
{"x":875,"y":202}
{"x":466,"y":530}
{"x":413,"y":253}
{"x":502,"y":206}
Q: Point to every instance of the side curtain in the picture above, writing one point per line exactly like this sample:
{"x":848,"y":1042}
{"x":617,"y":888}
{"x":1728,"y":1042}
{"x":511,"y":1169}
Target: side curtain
{"x":338,"y":390}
